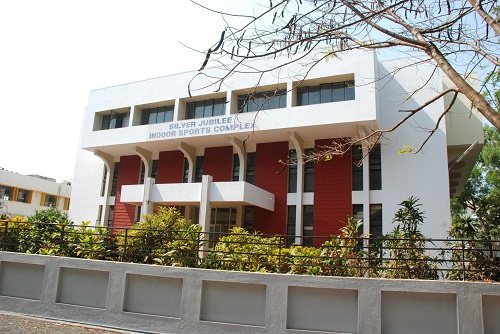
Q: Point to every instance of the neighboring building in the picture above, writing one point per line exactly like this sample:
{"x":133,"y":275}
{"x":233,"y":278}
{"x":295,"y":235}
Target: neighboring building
{"x":150,"y":143}
{"x":21,"y":195}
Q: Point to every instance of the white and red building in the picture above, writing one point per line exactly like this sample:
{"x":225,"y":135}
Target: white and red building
{"x":217,"y":151}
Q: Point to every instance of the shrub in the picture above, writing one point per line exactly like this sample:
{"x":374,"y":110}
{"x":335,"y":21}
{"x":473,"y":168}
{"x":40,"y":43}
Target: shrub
{"x":406,"y":245}
{"x":45,"y":233}
{"x":164,"y":238}
{"x":242,"y":251}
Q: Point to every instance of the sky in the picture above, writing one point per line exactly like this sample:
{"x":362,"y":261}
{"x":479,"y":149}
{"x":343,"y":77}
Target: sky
{"x":54,"y":52}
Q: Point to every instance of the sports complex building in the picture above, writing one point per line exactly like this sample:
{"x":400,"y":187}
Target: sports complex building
{"x":219,"y":150}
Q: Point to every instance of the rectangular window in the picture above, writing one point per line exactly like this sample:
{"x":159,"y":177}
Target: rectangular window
{"x":115,"y":120}
{"x":23,"y":196}
{"x":236,"y":167}
{"x":50,"y":201}
{"x":290,"y":224}
{"x":221,"y":222}
{"x":115,"y":178}
{"x":207,"y":108}
{"x":111,"y":215}
{"x":307,"y":228}
{"x":185,"y":174}
{"x":292,"y":172}
{"x":262,"y":101}
{"x":198,"y":173}
{"x":325,"y":93}
{"x":357,"y":168}
{"x":248,"y":219}
{"x":103,"y":182}
{"x":250,"y":174}
{"x":308,"y":174}
{"x":357,"y":211}
{"x":375,"y":168}
{"x":376,"y":221}
{"x":5,"y":193}
{"x":138,"y":214}
{"x":157,"y":115}
{"x":154,"y":171}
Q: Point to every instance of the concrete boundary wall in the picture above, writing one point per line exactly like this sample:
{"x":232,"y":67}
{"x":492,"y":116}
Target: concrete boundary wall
{"x":159,"y":299}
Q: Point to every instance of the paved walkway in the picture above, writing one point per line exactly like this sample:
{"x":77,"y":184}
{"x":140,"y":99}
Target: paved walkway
{"x":13,"y":324}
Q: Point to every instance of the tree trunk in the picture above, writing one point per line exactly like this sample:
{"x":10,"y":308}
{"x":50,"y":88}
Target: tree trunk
{"x":463,"y":86}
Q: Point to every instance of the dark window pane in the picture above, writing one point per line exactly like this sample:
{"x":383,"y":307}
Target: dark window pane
{"x":314,"y":95}
{"x":154,"y":169}
{"x":152,"y":116}
{"x":169,"y":115}
{"x":349,"y":91}
{"x":376,"y":221}
{"x":302,"y":96}
{"x":199,"y":110}
{"x":248,"y":222}
{"x":115,"y":178}
{"x":290,"y":224}
{"x":236,"y":167}
{"x":326,"y":93}
{"x":209,"y":108}
{"x":199,"y":169}
{"x":145,"y":117}
{"x":308,"y":174}
{"x":250,"y":177}
{"x":357,"y":211}
{"x":375,"y":169}
{"x":106,"y":119}
{"x":185,"y":177}
{"x":190,"y":110}
{"x":338,"y":92}
{"x":219,"y":107}
{"x":357,"y":171}
{"x":160,"y":117}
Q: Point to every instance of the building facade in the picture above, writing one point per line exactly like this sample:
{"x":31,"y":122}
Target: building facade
{"x":219,"y":150}
{"x":21,"y":195}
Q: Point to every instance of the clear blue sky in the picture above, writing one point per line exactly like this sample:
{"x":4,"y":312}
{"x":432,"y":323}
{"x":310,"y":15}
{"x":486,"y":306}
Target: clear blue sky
{"x":55,"y":51}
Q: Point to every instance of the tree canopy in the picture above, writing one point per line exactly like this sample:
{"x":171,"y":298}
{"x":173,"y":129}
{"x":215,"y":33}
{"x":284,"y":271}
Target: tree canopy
{"x":457,"y":37}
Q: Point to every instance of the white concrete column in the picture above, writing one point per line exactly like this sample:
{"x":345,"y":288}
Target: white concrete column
{"x":108,"y":164}
{"x":366,"y":191}
{"x":147,"y":159}
{"x":205,"y":208}
{"x":190,"y":155}
{"x":240,"y":150}
{"x":298,"y":143}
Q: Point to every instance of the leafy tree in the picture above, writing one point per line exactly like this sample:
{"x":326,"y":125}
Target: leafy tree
{"x":476,"y":212}
{"x":407,"y":245}
{"x":457,"y":37}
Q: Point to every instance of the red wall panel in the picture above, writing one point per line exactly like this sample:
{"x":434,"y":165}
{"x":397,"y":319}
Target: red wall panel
{"x":271,"y":176}
{"x":218,"y":162}
{"x":332,"y":193}
{"x":170,"y":167}
{"x":128,"y":173}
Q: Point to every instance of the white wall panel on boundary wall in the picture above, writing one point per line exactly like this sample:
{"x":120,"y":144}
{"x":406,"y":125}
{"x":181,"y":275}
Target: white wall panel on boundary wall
{"x":156,"y":299}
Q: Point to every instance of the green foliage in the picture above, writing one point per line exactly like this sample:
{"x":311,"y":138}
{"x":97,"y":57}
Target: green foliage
{"x":476,"y":215}
{"x":242,"y":251}
{"x":163,"y":238}
{"x":91,"y":242}
{"x":406,"y":245}
{"x":46,"y":233}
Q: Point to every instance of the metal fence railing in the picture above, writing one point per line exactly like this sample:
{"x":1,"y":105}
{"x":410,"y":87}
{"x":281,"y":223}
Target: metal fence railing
{"x":356,"y":257}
